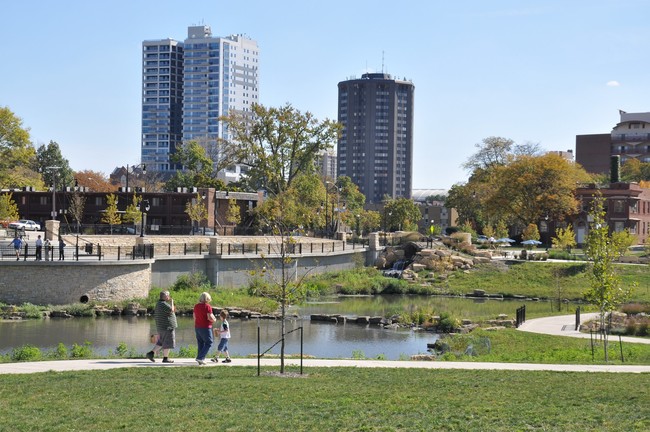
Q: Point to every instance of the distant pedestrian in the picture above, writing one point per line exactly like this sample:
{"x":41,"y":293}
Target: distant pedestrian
{"x":224,"y":334}
{"x":17,"y":243}
{"x":203,"y":319}
{"x":39,"y":248}
{"x":61,"y":249}
{"x":47,"y":245}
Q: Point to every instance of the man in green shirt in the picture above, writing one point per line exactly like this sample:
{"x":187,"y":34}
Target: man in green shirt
{"x":165,"y":316}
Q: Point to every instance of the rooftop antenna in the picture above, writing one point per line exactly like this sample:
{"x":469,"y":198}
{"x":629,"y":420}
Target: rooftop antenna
{"x":382,"y":61}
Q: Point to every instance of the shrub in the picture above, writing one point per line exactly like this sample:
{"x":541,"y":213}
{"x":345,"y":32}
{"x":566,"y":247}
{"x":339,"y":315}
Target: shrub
{"x":31,"y":311}
{"x":81,"y":351}
{"x":447,"y":323}
{"x":190,"y":351}
{"x":635,"y":308}
{"x":77,"y":309}
{"x":121,"y":349}
{"x":60,"y":352}
{"x":191,"y":281}
{"x":26,"y":353}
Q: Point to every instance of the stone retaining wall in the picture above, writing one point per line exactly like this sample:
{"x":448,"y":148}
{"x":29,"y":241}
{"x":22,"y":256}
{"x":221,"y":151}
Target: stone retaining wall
{"x":65,"y":282}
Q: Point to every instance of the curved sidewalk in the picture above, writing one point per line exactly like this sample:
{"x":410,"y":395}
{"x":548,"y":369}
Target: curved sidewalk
{"x":104,"y":364}
{"x":564,"y":325}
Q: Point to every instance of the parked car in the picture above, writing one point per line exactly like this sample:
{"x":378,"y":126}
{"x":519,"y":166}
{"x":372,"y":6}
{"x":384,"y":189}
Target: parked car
{"x":25,"y":225}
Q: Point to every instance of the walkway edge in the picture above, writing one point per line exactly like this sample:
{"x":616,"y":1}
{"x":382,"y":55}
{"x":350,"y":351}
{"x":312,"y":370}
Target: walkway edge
{"x":106,"y":364}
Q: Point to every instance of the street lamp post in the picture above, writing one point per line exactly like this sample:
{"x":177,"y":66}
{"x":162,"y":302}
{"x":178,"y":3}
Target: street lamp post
{"x":144,"y":171}
{"x":144,"y":208}
{"x":53,"y":168}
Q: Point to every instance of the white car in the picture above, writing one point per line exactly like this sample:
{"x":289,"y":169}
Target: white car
{"x":25,"y":224}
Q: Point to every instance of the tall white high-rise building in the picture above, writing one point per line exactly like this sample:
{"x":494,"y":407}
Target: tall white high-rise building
{"x":219,"y":76}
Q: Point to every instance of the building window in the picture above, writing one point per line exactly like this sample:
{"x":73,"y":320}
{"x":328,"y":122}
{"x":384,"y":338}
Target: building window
{"x":618,"y":206}
{"x":619,"y":226}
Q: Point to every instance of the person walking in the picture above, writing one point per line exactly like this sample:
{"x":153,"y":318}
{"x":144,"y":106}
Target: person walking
{"x":39,"y":248}
{"x":17,"y":243}
{"x":61,"y":249}
{"x":224,"y":335}
{"x":165,"y":317}
{"x":46,"y":246}
{"x":203,"y":319}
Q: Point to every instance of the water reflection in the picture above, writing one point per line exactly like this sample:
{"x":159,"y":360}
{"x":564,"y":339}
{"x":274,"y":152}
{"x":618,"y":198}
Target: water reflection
{"x":320,"y":339}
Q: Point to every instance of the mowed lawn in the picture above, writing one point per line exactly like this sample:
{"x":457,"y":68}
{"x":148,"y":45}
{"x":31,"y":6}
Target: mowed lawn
{"x":327,"y":399}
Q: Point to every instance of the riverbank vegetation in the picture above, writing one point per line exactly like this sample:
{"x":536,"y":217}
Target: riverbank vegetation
{"x":390,"y":399}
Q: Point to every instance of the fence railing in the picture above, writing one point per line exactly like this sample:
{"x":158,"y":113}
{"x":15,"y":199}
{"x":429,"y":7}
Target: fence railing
{"x":260,"y":354}
{"x":85,"y":251}
{"x":521,"y":316}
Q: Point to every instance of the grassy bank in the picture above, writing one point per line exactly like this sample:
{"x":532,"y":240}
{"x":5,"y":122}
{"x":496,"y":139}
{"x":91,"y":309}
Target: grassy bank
{"x":342,"y":399}
{"x":524,"y":278}
{"x":514,"y":346}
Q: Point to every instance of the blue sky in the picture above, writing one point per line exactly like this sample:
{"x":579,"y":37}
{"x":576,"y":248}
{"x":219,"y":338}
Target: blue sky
{"x":540,"y":71}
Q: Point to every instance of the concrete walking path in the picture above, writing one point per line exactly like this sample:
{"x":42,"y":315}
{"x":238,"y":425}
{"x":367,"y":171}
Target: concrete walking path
{"x":564,"y":325}
{"x":104,"y":364}
{"x":558,"y":325}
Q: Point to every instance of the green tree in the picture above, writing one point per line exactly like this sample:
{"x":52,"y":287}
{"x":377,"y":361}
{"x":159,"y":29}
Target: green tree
{"x":278,"y":144}
{"x":132,"y":214}
{"x":196,"y":210}
{"x":48,"y":156}
{"x":198,"y":168}
{"x":531,"y":232}
{"x":564,"y":238}
{"x":501,"y":229}
{"x":623,"y":240}
{"x":606,"y":290}
{"x":111,"y":215}
{"x":402,"y":214}
{"x":233,"y":214}
{"x":8,"y":207}
{"x":17,"y":153}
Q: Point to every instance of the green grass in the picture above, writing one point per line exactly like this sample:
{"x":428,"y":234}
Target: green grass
{"x":513,"y":346}
{"x":543,"y":279}
{"x":341,"y":399}
{"x":523,"y":278}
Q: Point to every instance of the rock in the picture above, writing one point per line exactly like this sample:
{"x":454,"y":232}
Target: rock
{"x":60,"y":314}
{"x":479,"y":293}
{"x":418,"y":267}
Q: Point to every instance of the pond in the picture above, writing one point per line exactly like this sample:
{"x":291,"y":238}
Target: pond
{"x":319,"y":339}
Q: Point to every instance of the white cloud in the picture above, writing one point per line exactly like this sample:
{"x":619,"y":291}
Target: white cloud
{"x":613,"y":84}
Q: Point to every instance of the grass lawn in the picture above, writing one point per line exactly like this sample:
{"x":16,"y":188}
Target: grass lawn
{"x":543,"y":279}
{"x":327,"y":399}
{"x":514,"y":346}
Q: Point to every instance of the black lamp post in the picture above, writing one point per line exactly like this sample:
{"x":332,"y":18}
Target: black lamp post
{"x":144,"y":171}
{"x":144,"y":208}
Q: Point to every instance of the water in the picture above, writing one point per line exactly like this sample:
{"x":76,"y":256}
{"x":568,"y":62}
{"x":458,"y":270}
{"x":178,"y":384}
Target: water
{"x":320,"y":339}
